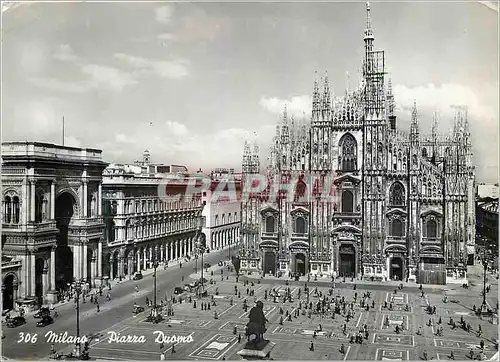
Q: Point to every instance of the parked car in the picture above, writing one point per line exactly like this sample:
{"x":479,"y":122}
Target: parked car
{"x":207,"y":265}
{"x":193,"y":284}
{"x":178,"y":290}
{"x":137,"y":276}
{"x":16,"y":321}
{"x":138,"y":309}
{"x":45,"y":321}
{"x":42,"y":312}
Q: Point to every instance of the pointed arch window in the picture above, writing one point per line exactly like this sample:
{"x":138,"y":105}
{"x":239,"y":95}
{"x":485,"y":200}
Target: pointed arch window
{"x":397,"y":228}
{"x":347,"y":201}
{"x":431,"y":228}
{"x":270,"y":224}
{"x":7,"y":209}
{"x":397,"y":194}
{"x":300,"y":225}
{"x":348,"y":153}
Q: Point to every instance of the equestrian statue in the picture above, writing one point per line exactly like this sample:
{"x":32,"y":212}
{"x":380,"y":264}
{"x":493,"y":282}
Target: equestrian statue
{"x":257,"y":323}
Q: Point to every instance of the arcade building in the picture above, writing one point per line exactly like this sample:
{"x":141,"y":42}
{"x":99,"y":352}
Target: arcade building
{"x":52,"y":223}
{"x":400,"y":205}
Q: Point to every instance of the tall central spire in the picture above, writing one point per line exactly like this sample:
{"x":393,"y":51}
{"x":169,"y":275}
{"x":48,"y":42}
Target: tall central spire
{"x":368,"y":30}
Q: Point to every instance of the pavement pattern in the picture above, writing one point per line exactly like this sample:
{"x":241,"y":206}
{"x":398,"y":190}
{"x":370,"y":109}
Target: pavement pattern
{"x":218,"y":334}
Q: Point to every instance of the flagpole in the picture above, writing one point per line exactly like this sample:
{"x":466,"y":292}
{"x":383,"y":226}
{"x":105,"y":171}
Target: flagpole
{"x":63,"y":131}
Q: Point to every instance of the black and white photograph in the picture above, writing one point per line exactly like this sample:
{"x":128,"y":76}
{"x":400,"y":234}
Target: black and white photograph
{"x":249,"y":180}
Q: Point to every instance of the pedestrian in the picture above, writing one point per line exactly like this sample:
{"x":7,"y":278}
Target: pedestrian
{"x":452,"y":356}
{"x":52,"y":349}
{"x":311,"y":348}
{"x":426,"y":357}
{"x":162,"y":356}
{"x":98,"y":308}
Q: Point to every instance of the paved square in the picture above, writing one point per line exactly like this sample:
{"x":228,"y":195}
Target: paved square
{"x":399,"y":298}
{"x":394,"y":320}
{"x":215,"y":347}
{"x":392,"y":354}
{"x":397,"y":339}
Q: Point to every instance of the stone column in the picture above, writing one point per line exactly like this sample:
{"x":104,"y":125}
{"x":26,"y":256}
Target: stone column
{"x":138,"y":260}
{"x":32,"y":198}
{"x":170,"y":251}
{"x":99,"y":261}
{"x":52,"y":200}
{"x":93,"y":268}
{"x":162,"y":257}
{"x":84,"y":266}
{"x":45,"y":280}
{"x":99,"y":200}
{"x":145,"y":259}
{"x":53,"y":268}
{"x":111,"y":267}
{"x":131,"y":270}
{"x":32,"y":275}
{"x":85,"y":199}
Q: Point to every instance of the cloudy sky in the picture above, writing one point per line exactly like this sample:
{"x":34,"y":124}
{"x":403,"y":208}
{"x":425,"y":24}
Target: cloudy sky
{"x":191,"y":81}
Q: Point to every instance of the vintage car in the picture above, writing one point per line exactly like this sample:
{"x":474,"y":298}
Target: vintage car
{"x":137,"y":276}
{"x":178,"y":290}
{"x":15,"y":321}
{"x":138,"y":309}
{"x":45,"y":321}
{"x":42,"y":312}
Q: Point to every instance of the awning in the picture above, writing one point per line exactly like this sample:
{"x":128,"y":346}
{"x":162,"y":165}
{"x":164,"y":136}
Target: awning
{"x":396,"y":266}
{"x":300,"y":261}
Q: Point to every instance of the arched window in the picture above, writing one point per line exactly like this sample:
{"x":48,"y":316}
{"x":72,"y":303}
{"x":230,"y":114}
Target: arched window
{"x":348,"y":153}
{"x":38,"y":207}
{"x":347,"y":201}
{"x":15,"y":207}
{"x":424,"y":152}
{"x":128,"y":234}
{"x":7,"y":210}
{"x":397,"y":194}
{"x":270,"y":227}
{"x":300,"y":225}
{"x":397,"y":228}
{"x":431,"y":229}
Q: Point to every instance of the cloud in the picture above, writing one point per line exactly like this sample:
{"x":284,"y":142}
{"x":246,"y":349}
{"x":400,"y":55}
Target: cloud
{"x":65,"y":53}
{"x":72,"y":141}
{"x":482,"y":117}
{"x":432,"y":98}
{"x":298,"y":106}
{"x":165,"y":69}
{"x":166,"y":36}
{"x":110,"y":77}
{"x":121,"y":138}
{"x":163,"y":14}
{"x":176,"y":129}
{"x":60,"y":86}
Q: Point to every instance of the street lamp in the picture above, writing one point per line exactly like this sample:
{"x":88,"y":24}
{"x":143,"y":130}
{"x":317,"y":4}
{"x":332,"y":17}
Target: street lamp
{"x":484,"y":305}
{"x":78,"y":291}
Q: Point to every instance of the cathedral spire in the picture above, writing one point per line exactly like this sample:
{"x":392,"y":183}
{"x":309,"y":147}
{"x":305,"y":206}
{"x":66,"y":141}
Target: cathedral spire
{"x":326,"y":106}
{"x":390,"y":98}
{"x":315,"y":98}
{"x":368,"y":29}
{"x":414,"y":131}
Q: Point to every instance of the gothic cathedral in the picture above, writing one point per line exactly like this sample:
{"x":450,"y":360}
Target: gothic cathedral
{"x":398,"y":206}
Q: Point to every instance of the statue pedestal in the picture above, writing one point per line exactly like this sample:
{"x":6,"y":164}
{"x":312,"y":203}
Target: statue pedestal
{"x":259,"y":350}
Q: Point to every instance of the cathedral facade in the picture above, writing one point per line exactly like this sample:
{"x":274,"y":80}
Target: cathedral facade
{"x":369,"y":200}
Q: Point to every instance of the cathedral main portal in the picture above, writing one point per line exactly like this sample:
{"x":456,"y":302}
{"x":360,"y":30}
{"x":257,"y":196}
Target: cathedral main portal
{"x":300,"y":264}
{"x":396,"y":268}
{"x":270,"y":262}
{"x":347,"y":257}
